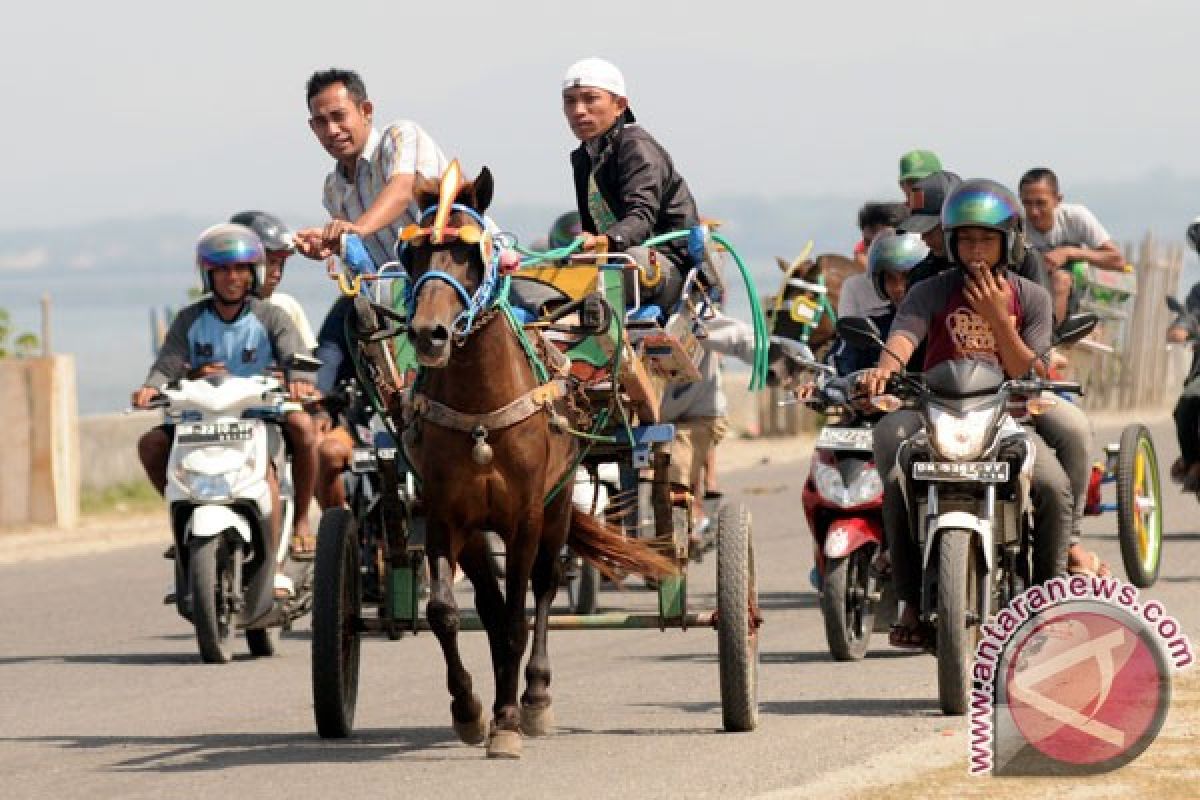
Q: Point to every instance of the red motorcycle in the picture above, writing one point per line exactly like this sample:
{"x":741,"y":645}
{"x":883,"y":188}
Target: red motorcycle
{"x":843,"y":503}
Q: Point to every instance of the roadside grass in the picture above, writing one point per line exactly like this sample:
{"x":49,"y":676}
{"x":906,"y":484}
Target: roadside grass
{"x":133,"y":496}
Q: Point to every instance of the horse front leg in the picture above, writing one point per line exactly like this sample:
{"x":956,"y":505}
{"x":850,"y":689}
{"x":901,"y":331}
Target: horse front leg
{"x":504,"y":740}
{"x":537,"y":713}
{"x":442,"y":613}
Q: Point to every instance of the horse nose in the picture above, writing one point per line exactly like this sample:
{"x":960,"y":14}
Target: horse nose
{"x":433,"y":338}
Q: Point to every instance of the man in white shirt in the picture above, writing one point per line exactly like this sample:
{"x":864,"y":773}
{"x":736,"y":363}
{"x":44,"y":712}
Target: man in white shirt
{"x":370,"y":190}
{"x":277,"y":240}
{"x":1062,"y":233}
{"x":368,"y":193}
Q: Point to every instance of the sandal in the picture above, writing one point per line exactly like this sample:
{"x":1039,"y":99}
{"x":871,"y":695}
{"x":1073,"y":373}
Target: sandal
{"x":900,"y":635}
{"x":304,"y":548}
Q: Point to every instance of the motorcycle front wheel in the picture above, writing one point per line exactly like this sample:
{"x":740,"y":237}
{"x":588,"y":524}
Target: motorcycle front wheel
{"x":846,"y":605}
{"x":212,"y":570}
{"x":957,"y":619}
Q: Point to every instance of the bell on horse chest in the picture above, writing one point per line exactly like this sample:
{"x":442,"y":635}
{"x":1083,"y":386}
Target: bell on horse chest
{"x":481,"y":453}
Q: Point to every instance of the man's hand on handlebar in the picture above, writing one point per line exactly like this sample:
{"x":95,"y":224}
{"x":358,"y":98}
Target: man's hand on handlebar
{"x":872,"y":383}
{"x":142,"y":396}
{"x":303,"y":391}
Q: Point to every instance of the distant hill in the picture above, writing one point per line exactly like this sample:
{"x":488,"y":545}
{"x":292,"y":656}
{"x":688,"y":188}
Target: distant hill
{"x":762,"y":227}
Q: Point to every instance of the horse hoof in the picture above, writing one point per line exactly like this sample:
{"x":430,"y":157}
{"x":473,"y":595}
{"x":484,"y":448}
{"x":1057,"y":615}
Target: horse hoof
{"x":537,"y":720}
{"x":473,"y":732}
{"x":503,"y":744}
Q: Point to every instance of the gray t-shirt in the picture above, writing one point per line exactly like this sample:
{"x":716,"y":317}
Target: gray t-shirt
{"x":937,"y":312}
{"x":1074,"y":226}
{"x":859,"y":298}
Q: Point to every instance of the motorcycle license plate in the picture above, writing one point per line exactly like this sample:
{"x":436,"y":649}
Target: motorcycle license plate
{"x":845,"y":439}
{"x":972,"y":471}
{"x":214,"y":432}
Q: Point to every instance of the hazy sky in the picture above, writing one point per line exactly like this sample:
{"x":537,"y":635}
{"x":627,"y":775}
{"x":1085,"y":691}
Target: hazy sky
{"x":127,"y":109}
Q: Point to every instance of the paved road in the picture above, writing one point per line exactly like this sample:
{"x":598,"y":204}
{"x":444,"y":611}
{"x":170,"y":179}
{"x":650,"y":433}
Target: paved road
{"x":102,"y":695}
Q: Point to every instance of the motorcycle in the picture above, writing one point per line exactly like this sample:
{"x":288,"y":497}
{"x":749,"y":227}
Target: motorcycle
{"x":843,"y":504}
{"x":967,"y":488}
{"x":219,"y":500}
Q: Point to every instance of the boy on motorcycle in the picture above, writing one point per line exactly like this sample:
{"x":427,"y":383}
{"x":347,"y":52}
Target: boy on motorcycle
{"x":231,"y":331}
{"x":981,"y":310}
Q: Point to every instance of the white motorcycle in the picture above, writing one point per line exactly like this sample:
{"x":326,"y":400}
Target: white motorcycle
{"x":226,"y":436}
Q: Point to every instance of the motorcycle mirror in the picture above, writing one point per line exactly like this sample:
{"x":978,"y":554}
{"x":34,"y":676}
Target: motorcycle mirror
{"x":859,"y":331}
{"x":1174,"y":305}
{"x":304,"y":363}
{"x":1074,"y":328}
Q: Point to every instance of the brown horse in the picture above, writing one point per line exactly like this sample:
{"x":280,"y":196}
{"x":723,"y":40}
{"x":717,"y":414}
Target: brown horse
{"x":793,"y":312}
{"x":484,"y":466}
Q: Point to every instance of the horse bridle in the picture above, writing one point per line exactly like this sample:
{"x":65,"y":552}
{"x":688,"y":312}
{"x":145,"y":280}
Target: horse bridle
{"x":474,"y":303}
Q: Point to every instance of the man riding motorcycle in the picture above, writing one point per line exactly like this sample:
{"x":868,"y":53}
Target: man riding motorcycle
{"x":231,"y":332}
{"x":981,"y":310}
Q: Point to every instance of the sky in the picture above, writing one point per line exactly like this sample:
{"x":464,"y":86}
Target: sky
{"x":123,"y":110}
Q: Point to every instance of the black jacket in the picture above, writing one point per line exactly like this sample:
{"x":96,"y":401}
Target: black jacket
{"x":641,"y":186}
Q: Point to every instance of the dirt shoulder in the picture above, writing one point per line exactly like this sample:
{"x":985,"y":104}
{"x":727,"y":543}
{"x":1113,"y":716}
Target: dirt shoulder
{"x":96,"y":533}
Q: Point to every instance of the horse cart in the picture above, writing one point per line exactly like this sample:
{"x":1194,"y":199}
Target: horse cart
{"x":581,"y":322}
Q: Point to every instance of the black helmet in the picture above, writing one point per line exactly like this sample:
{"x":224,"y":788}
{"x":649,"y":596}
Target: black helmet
{"x":274,"y":234}
{"x":894,"y":252}
{"x":1193,"y":234}
{"x":985,"y":204}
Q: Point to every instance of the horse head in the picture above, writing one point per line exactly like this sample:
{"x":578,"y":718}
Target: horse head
{"x":448,"y":256}
{"x":804,"y":309}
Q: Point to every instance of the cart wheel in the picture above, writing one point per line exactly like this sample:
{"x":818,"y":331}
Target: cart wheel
{"x":737,"y":620}
{"x":1139,"y":506}
{"x":335,"y":635}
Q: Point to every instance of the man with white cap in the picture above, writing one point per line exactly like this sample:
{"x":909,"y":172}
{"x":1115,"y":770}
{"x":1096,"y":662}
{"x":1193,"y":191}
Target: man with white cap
{"x":626,"y":186}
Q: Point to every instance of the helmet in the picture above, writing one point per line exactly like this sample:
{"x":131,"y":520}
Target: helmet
{"x":1193,"y":234}
{"x":565,"y":230}
{"x":894,"y":252}
{"x":984,"y":204}
{"x":226,"y":244}
{"x":274,"y":234}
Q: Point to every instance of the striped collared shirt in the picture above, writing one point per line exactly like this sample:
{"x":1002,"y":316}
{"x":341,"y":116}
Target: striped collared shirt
{"x":403,"y":148}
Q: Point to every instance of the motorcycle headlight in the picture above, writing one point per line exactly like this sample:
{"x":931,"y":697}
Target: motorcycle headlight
{"x":960,"y":437}
{"x":863,"y":489}
{"x":209,"y":488}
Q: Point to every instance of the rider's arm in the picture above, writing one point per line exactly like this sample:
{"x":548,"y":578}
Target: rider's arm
{"x":1036,"y":332}
{"x":406,"y":150}
{"x":728,"y":336}
{"x":285,"y":340}
{"x":640,"y":171}
{"x":388,"y":205}
{"x":1096,"y":246}
{"x":173,"y":355}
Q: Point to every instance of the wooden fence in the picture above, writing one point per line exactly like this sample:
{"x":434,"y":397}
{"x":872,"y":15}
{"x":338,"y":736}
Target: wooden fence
{"x":1128,"y":366}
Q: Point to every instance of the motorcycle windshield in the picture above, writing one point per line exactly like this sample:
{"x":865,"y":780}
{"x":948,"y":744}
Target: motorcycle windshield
{"x":964,"y":384}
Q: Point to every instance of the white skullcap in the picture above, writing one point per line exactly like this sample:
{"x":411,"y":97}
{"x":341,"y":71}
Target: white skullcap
{"x":595,"y":72}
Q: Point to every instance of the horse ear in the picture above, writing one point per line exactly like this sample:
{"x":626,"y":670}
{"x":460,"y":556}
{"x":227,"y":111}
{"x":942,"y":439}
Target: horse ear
{"x":783,"y":263}
{"x":483,"y":187}
{"x":425,"y":192}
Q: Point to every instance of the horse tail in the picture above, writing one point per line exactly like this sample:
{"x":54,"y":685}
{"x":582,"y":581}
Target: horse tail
{"x":607,"y":547}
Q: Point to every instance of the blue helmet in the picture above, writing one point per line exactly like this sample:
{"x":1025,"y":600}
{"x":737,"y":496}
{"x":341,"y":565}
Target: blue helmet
{"x":894,"y":252}
{"x":226,"y":244}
